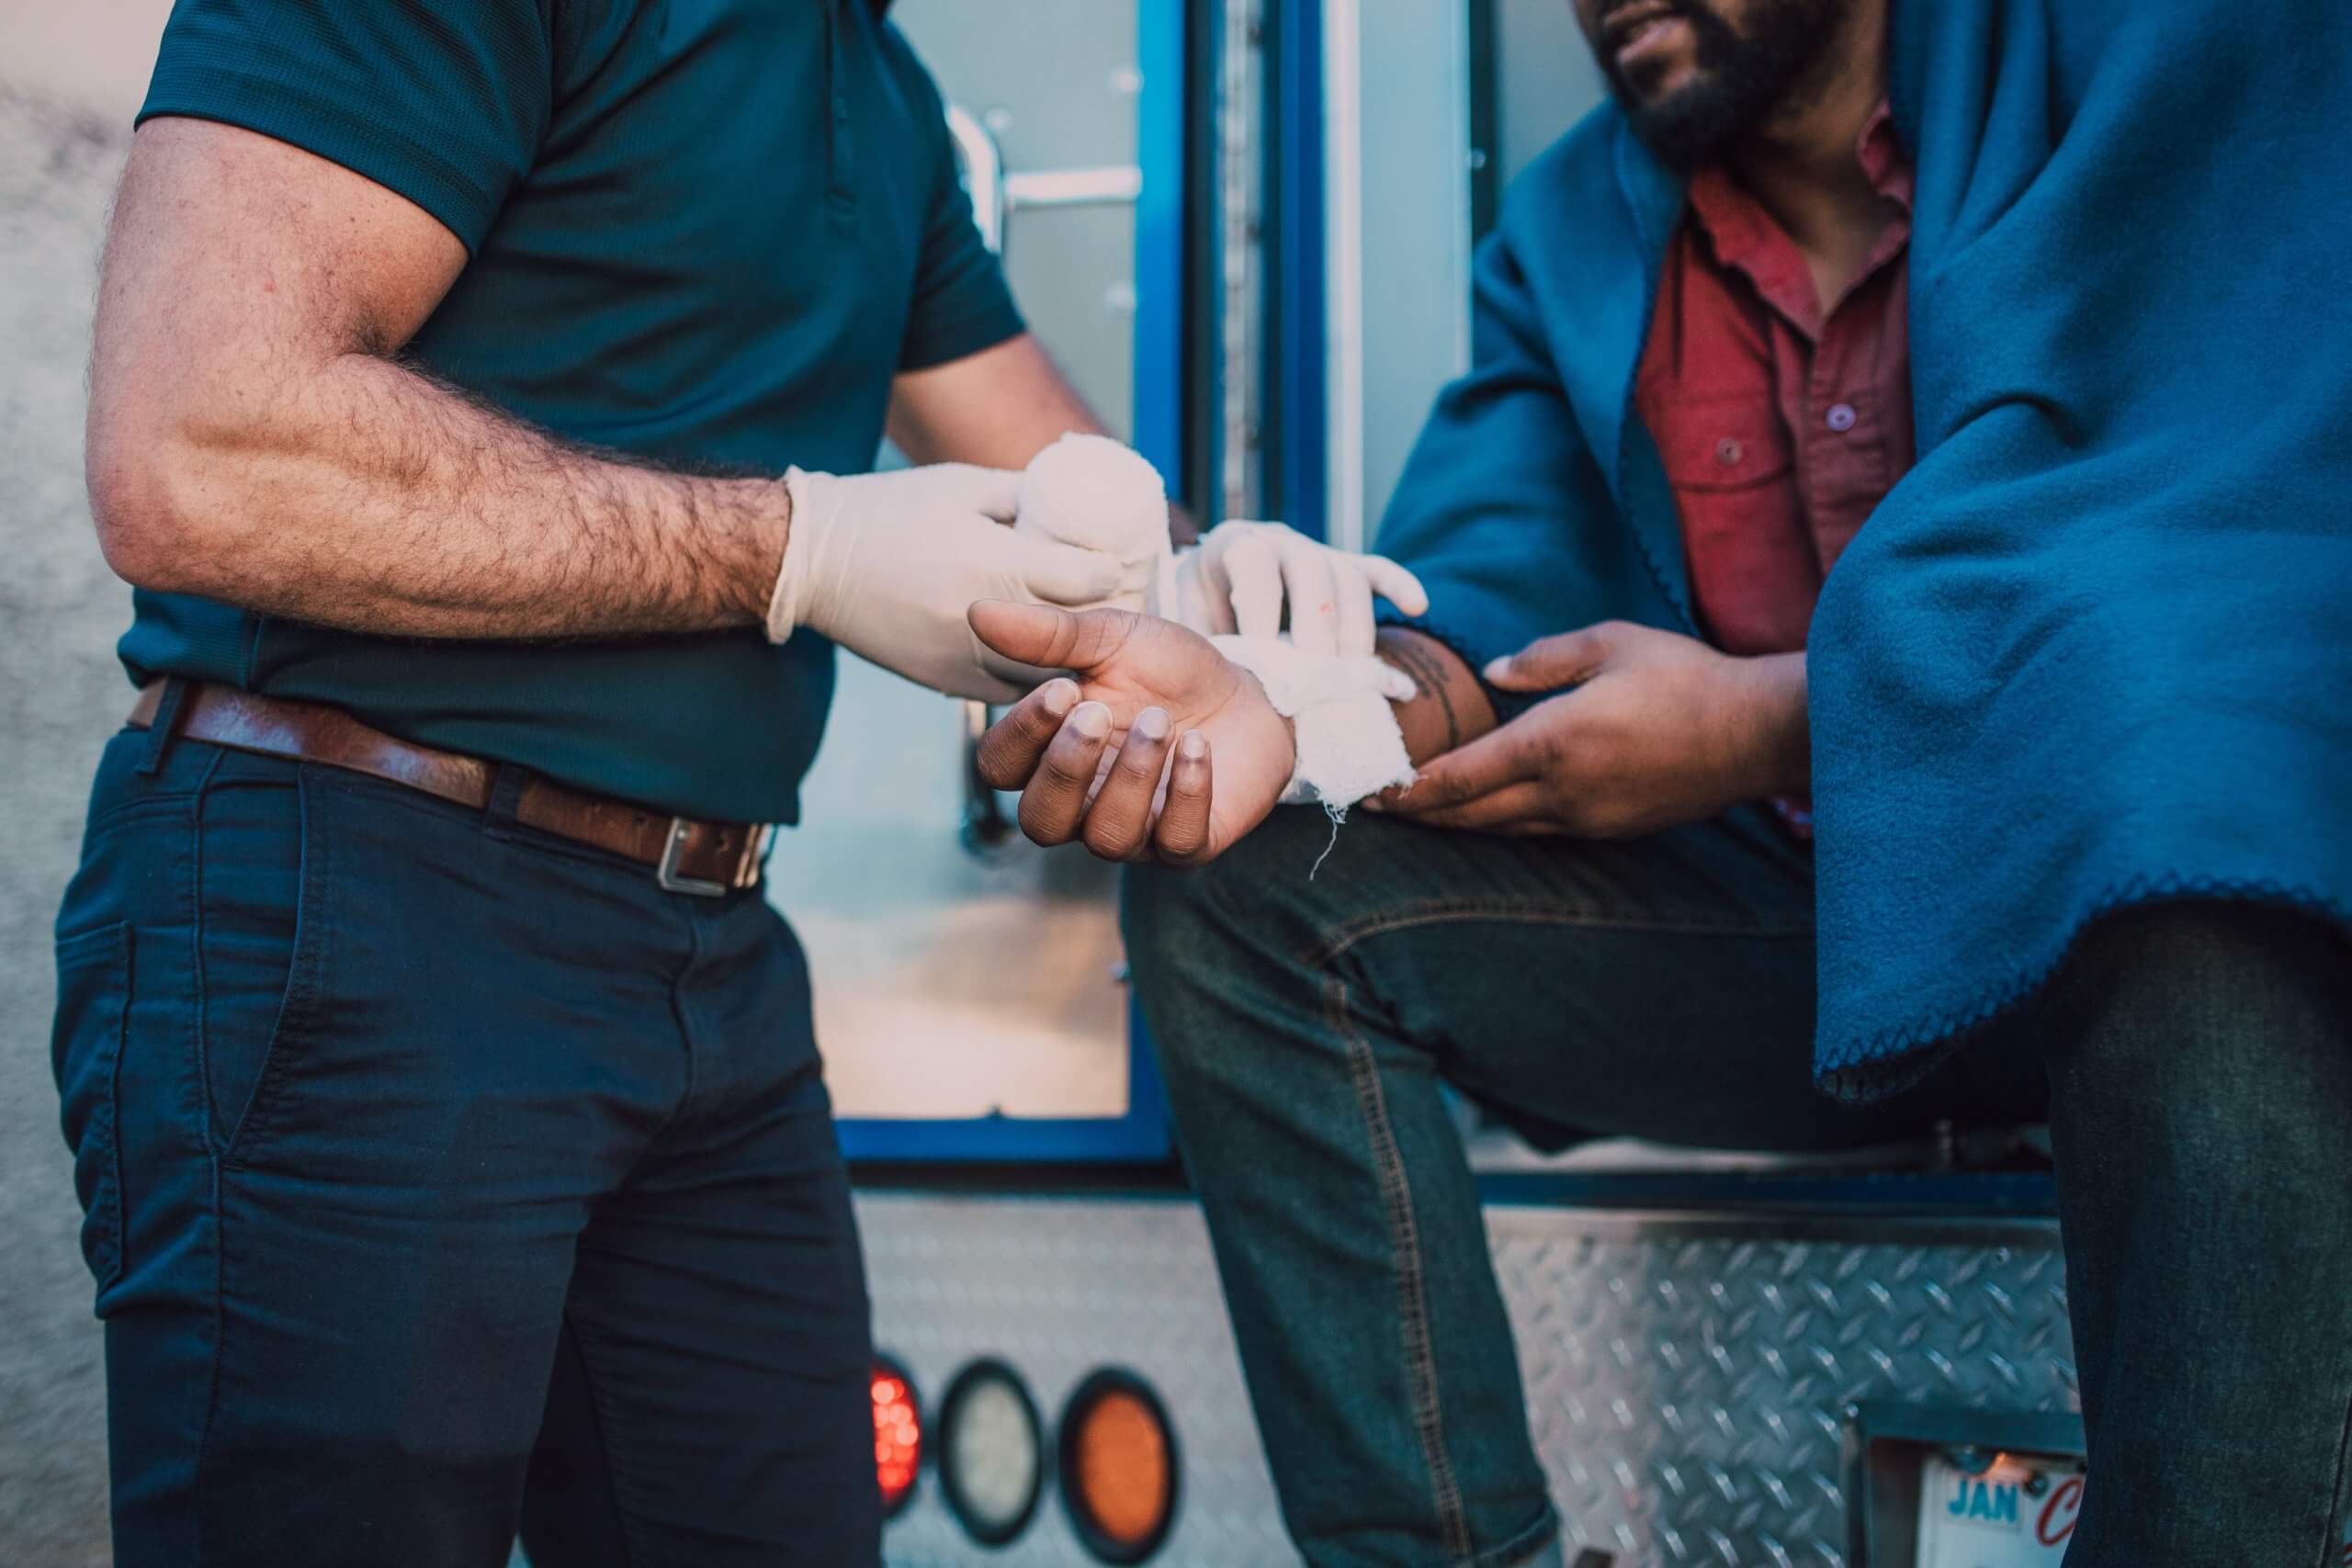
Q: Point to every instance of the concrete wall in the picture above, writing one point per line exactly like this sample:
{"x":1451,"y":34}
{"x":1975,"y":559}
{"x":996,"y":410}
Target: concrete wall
{"x":71,"y":75}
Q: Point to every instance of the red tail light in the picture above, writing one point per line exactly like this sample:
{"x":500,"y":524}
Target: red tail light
{"x":898,"y":1436}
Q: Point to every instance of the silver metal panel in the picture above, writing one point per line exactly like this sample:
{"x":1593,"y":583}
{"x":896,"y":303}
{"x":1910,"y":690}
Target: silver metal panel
{"x":1059,"y":1287}
{"x":1686,"y":1376}
{"x":1685,"y":1380}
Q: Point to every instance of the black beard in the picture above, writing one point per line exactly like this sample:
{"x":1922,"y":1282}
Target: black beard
{"x":1741,"y":79}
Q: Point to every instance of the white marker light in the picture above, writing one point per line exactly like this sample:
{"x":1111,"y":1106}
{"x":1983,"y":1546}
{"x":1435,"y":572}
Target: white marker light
{"x":991,"y":1452}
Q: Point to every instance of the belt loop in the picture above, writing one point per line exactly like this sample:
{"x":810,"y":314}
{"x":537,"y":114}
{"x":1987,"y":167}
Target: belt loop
{"x":166,"y":724}
{"x":505,"y":795}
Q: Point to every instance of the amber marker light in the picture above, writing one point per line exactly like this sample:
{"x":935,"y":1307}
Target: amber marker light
{"x":1119,"y":1467}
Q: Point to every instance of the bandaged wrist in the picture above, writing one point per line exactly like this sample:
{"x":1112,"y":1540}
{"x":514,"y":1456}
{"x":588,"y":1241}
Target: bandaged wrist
{"x":1349,"y":745}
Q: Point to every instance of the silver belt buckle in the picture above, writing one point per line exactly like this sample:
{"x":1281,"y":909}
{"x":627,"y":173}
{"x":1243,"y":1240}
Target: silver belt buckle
{"x":747,"y":864}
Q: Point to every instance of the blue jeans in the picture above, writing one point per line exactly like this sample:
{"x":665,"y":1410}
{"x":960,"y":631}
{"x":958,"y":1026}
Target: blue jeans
{"x":442,"y":1178}
{"x":2199,"y":1069}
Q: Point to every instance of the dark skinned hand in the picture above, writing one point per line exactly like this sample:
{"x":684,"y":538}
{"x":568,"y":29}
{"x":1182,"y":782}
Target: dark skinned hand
{"x":1649,"y":730}
{"x":1123,"y":757}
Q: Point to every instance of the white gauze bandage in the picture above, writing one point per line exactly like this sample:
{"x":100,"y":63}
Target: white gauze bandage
{"x":1349,"y":744}
{"x":1095,"y":492}
{"x":1100,"y":495}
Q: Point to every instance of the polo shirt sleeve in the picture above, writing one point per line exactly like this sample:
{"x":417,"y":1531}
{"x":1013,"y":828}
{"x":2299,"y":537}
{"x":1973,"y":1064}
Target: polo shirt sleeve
{"x":1501,"y":511}
{"x":961,"y":304}
{"x":442,"y":101}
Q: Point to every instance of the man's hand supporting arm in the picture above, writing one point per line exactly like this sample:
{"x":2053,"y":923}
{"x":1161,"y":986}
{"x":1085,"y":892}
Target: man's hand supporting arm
{"x":1646,"y":730}
{"x":1448,"y":707}
{"x":251,"y":438}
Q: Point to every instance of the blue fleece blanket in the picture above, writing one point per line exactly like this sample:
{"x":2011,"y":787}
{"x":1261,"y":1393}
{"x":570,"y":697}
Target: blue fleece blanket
{"x":2096,"y":649}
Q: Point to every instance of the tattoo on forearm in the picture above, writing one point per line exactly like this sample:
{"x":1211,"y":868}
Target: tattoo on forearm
{"x":1428,"y":681}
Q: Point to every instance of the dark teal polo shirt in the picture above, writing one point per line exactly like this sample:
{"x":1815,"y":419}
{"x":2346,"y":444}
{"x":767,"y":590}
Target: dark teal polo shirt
{"x":702,"y":232}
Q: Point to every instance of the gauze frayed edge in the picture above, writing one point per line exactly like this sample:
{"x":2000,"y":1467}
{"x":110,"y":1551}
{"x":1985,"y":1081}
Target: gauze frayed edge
{"x":1349,"y":744}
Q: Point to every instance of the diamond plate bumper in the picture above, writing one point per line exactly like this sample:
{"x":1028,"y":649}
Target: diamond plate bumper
{"x":1687,"y":1374}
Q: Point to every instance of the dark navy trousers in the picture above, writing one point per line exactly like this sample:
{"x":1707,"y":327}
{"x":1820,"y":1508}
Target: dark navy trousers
{"x":443,"y":1179}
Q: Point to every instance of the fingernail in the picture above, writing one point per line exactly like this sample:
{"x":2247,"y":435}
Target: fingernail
{"x":1091,"y":720}
{"x":1060,"y":697}
{"x":1498,"y":668}
{"x":1152,"y":724}
{"x":1193,"y":746}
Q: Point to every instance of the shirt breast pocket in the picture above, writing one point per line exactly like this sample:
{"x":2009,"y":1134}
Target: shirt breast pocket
{"x":1753,"y":574}
{"x":1726,"y":446}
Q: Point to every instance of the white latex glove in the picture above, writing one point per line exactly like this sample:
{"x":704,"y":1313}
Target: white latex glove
{"x":1240,"y":577}
{"x":886,"y":564}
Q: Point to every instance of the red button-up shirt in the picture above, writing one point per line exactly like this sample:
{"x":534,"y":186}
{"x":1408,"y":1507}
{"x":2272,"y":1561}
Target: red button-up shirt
{"x":1781,"y":425}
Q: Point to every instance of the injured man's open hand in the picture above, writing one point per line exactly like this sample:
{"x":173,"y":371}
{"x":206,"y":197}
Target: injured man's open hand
{"x":1161,"y":749}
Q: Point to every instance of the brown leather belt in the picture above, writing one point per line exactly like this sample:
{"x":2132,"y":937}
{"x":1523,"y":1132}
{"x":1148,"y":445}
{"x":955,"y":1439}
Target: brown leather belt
{"x":703,"y":858}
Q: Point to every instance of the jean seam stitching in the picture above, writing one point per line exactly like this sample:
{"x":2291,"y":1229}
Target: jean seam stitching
{"x":1420,"y":1369}
{"x":1547,"y":1526}
{"x":1340,"y":939}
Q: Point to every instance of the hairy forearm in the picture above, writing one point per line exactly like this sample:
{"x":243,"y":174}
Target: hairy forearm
{"x":363,"y":494}
{"x":1448,"y":707}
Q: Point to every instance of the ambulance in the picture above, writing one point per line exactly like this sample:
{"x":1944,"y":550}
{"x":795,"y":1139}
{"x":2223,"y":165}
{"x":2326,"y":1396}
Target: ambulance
{"x":1245,"y":229}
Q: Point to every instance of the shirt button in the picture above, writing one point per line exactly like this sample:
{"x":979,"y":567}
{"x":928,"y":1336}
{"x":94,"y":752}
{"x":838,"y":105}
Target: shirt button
{"x":1727,"y":452}
{"x":1841,"y":417}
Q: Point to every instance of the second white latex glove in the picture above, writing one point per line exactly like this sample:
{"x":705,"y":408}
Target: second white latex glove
{"x":886,"y":564}
{"x":1238,"y":580}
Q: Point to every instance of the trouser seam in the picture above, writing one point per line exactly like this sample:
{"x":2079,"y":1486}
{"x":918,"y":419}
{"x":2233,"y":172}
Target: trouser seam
{"x":632,"y":1548}
{"x":1449,"y":911}
{"x":1519,"y":1547}
{"x":2329,"y":1544}
{"x":1405,"y":1253}
{"x":218,"y":1203}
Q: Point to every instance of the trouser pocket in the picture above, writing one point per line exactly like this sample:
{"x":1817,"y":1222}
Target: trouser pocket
{"x":85,"y":1054}
{"x":261,"y":887}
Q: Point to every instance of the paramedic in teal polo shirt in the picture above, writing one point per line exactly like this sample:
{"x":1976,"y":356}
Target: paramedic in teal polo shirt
{"x":482,"y":403}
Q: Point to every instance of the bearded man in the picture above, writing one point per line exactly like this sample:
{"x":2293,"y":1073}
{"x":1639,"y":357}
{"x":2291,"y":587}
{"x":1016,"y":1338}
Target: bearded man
{"x":2026,"y":317}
